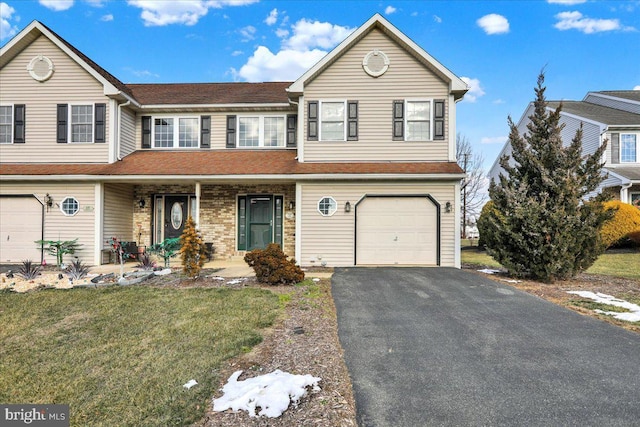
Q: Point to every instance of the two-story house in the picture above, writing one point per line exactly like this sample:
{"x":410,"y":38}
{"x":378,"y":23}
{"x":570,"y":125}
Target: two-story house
{"x":607,"y":115}
{"x":351,"y":164}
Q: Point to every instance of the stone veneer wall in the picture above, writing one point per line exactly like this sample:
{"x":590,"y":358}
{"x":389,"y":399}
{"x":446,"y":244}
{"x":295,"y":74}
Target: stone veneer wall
{"x":218,"y":211}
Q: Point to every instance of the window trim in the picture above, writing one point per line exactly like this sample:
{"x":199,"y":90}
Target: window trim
{"x":329,"y":213}
{"x":62,"y":203}
{"x":70,"y":121}
{"x":261,"y":118}
{"x":344,"y":119}
{"x":430,"y":119}
{"x":10,"y":124}
{"x":637,"y":135}
{"x":176,"y":131}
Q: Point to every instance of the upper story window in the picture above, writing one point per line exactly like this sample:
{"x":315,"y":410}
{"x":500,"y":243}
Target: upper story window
{"x":6,"y":124}
{"x":418,"y":120}
{"x":261,"y":131}
{"x":628,"y":148}
{"x":175,"y":132}
{"x":81,"y":123}
{"x":332,"y":120}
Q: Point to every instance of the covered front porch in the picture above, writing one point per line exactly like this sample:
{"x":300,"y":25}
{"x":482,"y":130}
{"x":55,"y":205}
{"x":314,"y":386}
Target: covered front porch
{"x":232,"y":217}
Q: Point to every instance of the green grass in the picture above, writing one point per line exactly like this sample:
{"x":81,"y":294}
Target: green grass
{"x":619,"y":264}
{"x":119,"y":356}
{"x":593,"y":305}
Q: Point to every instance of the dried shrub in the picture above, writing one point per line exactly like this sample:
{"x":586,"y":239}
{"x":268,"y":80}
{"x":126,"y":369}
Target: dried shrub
{"x":272,"y":266}
{"x":28,"y":270}
{"x":192,"y":249}
{"x":626,"y":220}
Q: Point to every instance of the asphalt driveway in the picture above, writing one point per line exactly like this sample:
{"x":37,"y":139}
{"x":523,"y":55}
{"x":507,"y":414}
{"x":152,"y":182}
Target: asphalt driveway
{"x":440,"y":346}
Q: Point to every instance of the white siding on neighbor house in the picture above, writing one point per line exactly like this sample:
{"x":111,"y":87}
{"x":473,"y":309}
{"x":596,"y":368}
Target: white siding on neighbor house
{"x":590,"y":134}
{"x":406,"y":78}
{"x":127,"y":132}
{"x":331,"y":239}
{"x":70,"y":83}
{"x":118,"y":213}
{"x":218,"y":124}
{"x":58,"y":226}
{"x":617,"y":103}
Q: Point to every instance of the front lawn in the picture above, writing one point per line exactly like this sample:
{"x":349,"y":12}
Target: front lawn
{"x":120,"y":356}
{"x":613,"y":263}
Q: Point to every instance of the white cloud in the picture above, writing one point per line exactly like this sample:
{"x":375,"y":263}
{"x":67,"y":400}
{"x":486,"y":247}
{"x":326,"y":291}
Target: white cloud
{"x":437,"y":19}
{"x":272,"y":18}
{"x":248,"y":33}
{"x":493,"y":24}
{"x":7,"y":28}
{"x":475,"y":90}
{"x":237,"y":53}
{"x":107,"y":18}
{"x":566,"y":2}
{"x":493,"y":139}
{"x":576,"y":21}
{"x":389,"y":10}
{"x":142,"y":73}
{"x":309,"y":42}
{"x":308,"y":35}
{"x":57,"y":5}
{"x":186,"y":12}
{"x":96,"y":3}
{"x":636,"y":87}
{"x":499,"y":101}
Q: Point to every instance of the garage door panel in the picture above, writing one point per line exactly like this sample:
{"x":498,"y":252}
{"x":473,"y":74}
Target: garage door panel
{"x":396,"y":231}
{"x":20,"y":227}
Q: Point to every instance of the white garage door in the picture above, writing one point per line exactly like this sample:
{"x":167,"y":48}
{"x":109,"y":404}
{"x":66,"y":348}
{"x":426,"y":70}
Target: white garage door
{"x":20,"y":227}
{"x":396,"y":231}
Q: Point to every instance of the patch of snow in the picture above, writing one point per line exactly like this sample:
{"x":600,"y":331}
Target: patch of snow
{"x":634,"y":310}
{"x":217,"y":278}
{"x":315,"y":279}
{"x":272,"y":392}
{"x":489,"y":271}
{"x":236,"y":281}
{"x":511,"y":281}
{"x":190,"y":384}
{"x":163,"y":272}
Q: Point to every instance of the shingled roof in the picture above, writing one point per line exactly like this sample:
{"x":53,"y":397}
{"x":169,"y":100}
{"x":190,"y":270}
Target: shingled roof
{"x":598,"y":113}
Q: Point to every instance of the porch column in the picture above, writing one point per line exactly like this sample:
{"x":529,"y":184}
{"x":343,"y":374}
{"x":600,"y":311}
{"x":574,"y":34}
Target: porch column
{"x":197,"y":218}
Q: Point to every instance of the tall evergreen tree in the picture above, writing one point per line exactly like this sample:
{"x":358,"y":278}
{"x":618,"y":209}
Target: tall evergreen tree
{"x":541,"y":226}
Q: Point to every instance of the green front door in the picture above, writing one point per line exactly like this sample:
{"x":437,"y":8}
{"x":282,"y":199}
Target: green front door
{"x":259,"y":221}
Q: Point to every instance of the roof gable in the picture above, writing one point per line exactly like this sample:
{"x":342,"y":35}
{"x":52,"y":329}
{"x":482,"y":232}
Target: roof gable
{"x":111,"y":85}
{"x":456,"y":86}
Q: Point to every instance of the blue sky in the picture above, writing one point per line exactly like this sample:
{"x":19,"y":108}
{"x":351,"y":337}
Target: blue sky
{"x":498,"y":47}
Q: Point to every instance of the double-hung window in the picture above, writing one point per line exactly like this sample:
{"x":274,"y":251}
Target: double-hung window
{"x":261,"y":131}
{"x":332,"y":120}
{"x":418,"y":121}
{"x":332,"y":117}
{"x":81,"y":123}
{"x":175,"y":132}
{"x":628,"y":148}
{"x":6,"y":124}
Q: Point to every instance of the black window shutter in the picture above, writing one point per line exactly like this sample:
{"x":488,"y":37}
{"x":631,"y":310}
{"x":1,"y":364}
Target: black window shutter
{"x":63,"y":116}
{"x":292,"y":129}
{"x":205,"y":131}
{"x":18,"y":123}
{"x":438,"y":119}
{"x":231,"y":131}
{"x":352,"y":120}
{"x":615,"y":148}
{"x":146,"y":131}
{"x":100,"y":125}
{"x":312,"y":120}
{"x":398,"y":120}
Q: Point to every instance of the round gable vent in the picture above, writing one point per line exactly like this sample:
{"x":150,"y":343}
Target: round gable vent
{"x":40,"y":68}
{"x":375,"y":63}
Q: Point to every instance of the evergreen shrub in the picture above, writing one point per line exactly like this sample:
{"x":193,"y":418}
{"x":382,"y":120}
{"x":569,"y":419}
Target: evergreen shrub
{"x":625,"y":223}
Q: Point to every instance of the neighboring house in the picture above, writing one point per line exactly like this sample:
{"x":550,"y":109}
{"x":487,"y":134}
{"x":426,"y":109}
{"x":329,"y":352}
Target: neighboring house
{"x":351,"y":164}
{"x":607,"y":115}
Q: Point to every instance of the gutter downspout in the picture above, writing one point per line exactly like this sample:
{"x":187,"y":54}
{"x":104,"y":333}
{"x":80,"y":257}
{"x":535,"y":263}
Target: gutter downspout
{"x":120,"y":129}
{"x":624,"y":192}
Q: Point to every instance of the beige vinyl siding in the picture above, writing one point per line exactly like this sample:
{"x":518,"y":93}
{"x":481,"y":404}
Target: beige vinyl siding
{"x":218,"y":124}
{"x":58,"y":226}
{"x":127,"y":132}
{"x":330,"y":239}
{"x":118,"y":213}
{"x":69,"y":84}
{"x":406,"y":78}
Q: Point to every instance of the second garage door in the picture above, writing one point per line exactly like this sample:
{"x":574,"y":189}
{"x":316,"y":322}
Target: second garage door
{"x":397,"y":231}
{"x":20,"y":227}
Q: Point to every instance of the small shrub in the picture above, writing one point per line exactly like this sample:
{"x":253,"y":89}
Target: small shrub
{"x":193,"y":249}
{"x":272,"y":266}
{"x":166,"y":249}
{"x":145,"y":262}
{"x":28,"y":270}
{"x":626,"y":220}
{"x":77,"y":270}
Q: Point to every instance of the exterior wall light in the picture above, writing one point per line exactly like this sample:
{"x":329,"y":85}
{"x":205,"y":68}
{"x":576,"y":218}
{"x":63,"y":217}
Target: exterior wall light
{"x":292,"y":205}
{"x":447,"y":207}
{"x":347,"y":207}
{"x":142,"y":202}
{"x":48,"y":201}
